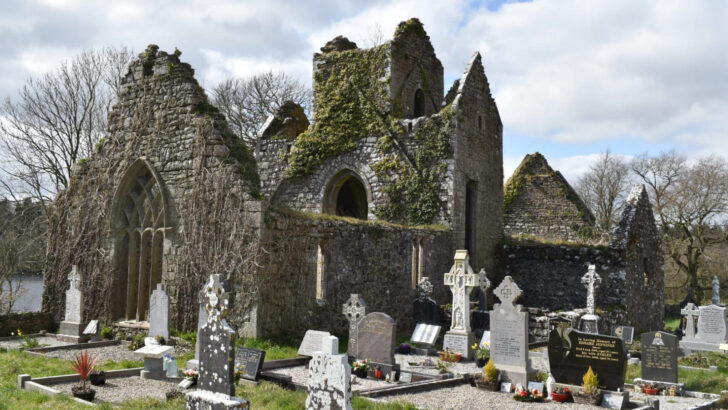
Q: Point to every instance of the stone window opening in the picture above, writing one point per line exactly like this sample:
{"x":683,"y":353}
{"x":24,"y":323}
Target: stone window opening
{"x":347,"y":196}
{"x":321,"y":259}
{"x":480,"y":122}
{"x":140,"y":224}
{"x":419,"y":103}
{"x":417,"y":261}
{"x":471,"y":212}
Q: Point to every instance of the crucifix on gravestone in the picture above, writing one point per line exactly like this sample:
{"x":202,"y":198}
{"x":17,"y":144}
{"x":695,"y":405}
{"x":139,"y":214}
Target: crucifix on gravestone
{"x":462,"y":280}
{"x":691,"y":313}
{"x":354,"y":309}
{"x":591,"y":280}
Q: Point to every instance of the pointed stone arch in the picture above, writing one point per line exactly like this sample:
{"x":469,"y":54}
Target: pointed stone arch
{"x":140,"y":222}
{"x":347,"y":194}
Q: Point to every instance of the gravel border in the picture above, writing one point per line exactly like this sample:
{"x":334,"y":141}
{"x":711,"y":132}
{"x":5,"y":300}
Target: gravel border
{"x":119,"y":389}
{"x":300,"y":375}
{"x":43,"y":341}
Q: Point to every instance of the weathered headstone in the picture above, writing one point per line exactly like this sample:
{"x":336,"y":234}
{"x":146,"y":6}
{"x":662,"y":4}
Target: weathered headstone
{"x":201,"y":320}
{"x":217,"y":354}
{"x":425,"y":335}
{"x":716,"y":291}
{"x":626,"y":333}
{"x":659,"y":356}
{"x":252,"y":361}
{"x":691,"y":313}
{"x":571,"y":356}
{"x":509,"y":334}
{"x":712,"y":324}
{"x":424,"y":309}
{"x":329,"y":378}
{"x":483,"y":285}
{"x":311,"y":342}
{"x":376,"y":338}
{"x":591,"y":280}
{"x":71,"y":328}
{"x":354,"y":309}
{"x":159,"y":313}
{"x":462,"y":280}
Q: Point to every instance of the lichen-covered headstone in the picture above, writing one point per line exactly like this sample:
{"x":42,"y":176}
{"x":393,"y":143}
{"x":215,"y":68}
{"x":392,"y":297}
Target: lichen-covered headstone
{"x":591,"y":280}
{"x":71,"y":328}
{"x":329,"y":378}
{"x":354,"y":309}
{"x":159,"y":313}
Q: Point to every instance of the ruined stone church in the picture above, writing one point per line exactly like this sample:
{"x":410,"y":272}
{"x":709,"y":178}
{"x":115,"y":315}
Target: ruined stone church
{"x":375,"y":191}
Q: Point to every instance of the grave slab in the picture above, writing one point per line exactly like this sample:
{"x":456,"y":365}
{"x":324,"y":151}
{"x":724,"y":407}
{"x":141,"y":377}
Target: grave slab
{"x":311,"y":342}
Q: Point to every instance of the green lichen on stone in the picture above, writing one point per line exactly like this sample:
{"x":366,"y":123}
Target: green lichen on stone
{"x":351,"y":104}
{"x":413,"y":25}
{"x":512,"y":189}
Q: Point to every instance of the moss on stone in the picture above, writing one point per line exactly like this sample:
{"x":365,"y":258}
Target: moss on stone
{"x":413,"y":25}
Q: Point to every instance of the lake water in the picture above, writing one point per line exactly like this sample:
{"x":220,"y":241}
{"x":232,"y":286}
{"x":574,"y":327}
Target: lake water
{"x":30,"y":301}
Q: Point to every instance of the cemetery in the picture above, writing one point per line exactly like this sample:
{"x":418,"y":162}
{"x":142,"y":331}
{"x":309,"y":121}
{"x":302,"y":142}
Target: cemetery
{"x":340,"y":298}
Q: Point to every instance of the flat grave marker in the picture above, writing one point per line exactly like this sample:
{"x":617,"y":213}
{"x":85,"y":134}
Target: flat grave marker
{"x":252,"y":359}
{"x":425,"y":334}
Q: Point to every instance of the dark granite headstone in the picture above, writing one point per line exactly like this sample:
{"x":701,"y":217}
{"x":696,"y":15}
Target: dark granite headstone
{"x":252,"y":359}
{"x":425,"y":311}
{"x":217,"y":342}
{"x":659,"y":356}
{"x":625,"y":332}
{"x":480,"y":320}
{"x":571,"y":355}
{"x":376,"y":338}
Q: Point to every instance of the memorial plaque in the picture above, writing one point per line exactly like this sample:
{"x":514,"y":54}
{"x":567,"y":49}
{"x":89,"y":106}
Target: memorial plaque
{"x":626,"y":333}
{"x":571,"y":355}
{"x":506,"y":387}
{"x":613,"y":400}
{"x":425,"y":335}
{"x":92,"y":328}
{"x":712,"y":324}
{"x":312,"y":342}
{"x":456,"y":343}
{"x":659,"y":356}
{"x":405,"y":377}
{"x":252,"y":359}
{"x":376,"y":338}
{"x":535,"y":386}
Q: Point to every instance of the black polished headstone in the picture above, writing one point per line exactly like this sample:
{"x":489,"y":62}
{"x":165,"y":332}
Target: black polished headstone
{"x":425,"y":311}
{"x":571,"y":355}
{"x":659,"y":356}
{"x":480,"y":320}
{"x":252,"y":359}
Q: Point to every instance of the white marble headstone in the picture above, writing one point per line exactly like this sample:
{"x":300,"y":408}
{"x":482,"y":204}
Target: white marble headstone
{"x":312,"y":342}
{"x":159,"y":313}
{"x":74,"y":297}
{"x":329,"y":378}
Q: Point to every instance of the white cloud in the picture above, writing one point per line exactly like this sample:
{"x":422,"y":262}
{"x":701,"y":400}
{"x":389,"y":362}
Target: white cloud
{"x":571,"y":167}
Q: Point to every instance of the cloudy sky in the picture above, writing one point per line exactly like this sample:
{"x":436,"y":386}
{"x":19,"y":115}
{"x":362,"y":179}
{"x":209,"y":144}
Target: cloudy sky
{"x":571,"y":78}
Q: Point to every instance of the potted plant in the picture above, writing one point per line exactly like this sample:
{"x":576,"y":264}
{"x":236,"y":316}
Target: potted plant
{"x":482,"y":354}
{"x":97,"y":378}
{"x":84,"y":364}
{"x":651,"y":389}
{"x":450,"y":356}
{"x":360,"y":368}
{"x":561,"y":394}
{"x":590,"y":393}
{"x":405,"y":348}
{"x":490,"y":379}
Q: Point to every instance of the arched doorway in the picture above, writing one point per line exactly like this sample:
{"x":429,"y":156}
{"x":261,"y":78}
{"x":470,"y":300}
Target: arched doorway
{"x":140,"y":224}
{"x":346,"y":196}
{"x":419,"y":103}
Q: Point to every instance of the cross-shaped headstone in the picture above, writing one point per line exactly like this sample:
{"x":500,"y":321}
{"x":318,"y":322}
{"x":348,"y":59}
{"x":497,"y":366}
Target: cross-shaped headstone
{"x":691,"y":313}
{"x":354,"y":309}
{"x":508,"y":292}
{"x":216,"y":299}
{"x":424,"y":288}
{"x":484,"y":285}
{"x":461,"y":279}
{"x":75,"y":278}
{"x":591,"y":281}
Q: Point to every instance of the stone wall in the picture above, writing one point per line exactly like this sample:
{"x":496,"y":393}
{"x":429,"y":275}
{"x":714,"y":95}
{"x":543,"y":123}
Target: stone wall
{"x":372,"y":259}
{"x":538,"y":321}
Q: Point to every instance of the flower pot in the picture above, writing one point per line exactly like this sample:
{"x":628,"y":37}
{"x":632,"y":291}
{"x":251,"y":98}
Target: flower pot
{"x":360,"y":373}
{"x":651,"y":392}
{"x":97,"y":378}
{"x":405,"y":349}
{"x":481,"y":362}
{"x":560,"y":397}
{"x":594,"y":400}
{"x":450,"y":357}
{"x":87,"y":394}
{"x":486,"y":385}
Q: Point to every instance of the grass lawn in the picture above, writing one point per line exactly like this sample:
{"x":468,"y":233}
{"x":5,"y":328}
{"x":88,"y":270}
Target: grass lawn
{"x":696,"y":380}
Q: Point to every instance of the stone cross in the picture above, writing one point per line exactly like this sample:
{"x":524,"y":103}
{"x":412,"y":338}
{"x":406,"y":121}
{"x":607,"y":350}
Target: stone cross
{"x":354,"y":309}
{"x":217,"y":302}
{"x":74,"y":297}
{"x":461,"y":279}
{"x":508,"y":292}
{"x":591,"y":281}
{"x":424,"y":288}
{"x":716,"y":291}
{"x":484,"y":285}
{"x":691,"y":313}
{"x":159,"y":313}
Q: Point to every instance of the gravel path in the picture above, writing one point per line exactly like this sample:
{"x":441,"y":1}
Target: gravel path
{"x":300,"y":374}
{"x":103,"y":354}
{"x":119,"y":389}
{"x":43,"y":341}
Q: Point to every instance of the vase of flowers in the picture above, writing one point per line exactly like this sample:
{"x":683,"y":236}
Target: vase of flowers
{"x":482,"y":354}
{"x":360,"y":368}
{"x":650,"y":389}
{"x":192,"y":375}
{"x":561,"y":394}
{"x":84,"y":364}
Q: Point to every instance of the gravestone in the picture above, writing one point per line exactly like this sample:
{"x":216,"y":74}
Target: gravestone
{"x":711,"y":329}
{"x":329,"y":377}
{"x":716,"y":291}
{"x":252,"y":360}
{"x":376,"y":338}
{"x":159,"y":313}
{"x":659,"y":356}
{"x":354,"y":309}
{"x":153,"y":355}
{"x":626,"y":333}
{"x":591,"y":280}
{"x":424,"y":309}
{"x":92,"y":330}
{"x":312,"y":342}
{"x":425,"y":335}
{"x":691,"y":313}
{"x":216,"y":383}
{"x":461,"y":279}
{"x":571,"y":355}
{"x":509,"y":334}
{"x":201,"y":320}
{"x":71,"y":328}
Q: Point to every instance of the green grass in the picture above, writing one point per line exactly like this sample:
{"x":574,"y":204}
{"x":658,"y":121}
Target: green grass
{"x":672,"y":323}
{"x":695,"y":380}
{"x":276,"y":348}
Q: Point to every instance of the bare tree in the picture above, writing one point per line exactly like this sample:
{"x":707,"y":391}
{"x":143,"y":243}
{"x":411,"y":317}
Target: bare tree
{"x":57,"y":120}
{"x":603,"y":189}
{"x":690,"y":202}
{"x":374,"y":37}
{"x":248,"y":102}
